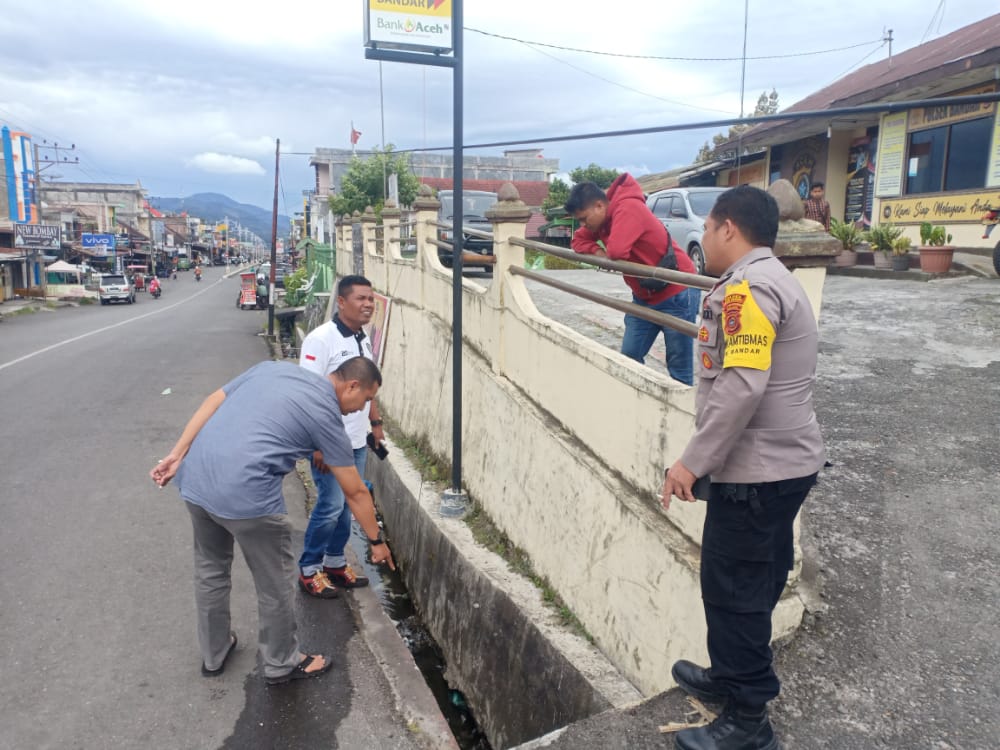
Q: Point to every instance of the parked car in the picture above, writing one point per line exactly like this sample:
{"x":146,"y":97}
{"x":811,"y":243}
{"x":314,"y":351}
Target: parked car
{"x":476,"y":203}
{"x":280,"y":272}
{"x":116,"y":288}
{"x":683,"y":212}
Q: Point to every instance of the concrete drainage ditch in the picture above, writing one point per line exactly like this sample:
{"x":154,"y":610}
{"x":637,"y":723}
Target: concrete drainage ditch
{"x":427,"y":655}
{"x":503,"y":649}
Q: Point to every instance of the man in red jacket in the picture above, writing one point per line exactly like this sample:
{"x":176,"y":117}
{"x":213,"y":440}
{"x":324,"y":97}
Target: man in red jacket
{"x":627,"y":230}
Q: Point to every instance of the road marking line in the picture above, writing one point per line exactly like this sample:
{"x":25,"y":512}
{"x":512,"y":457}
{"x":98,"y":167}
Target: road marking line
{"x":50,"y":347}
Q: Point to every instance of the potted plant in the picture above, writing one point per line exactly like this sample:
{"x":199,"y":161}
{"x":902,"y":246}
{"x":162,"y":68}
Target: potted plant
{"x":936,"y":250}
{"x":901,"y":254}
{"x":882,"y":237}
{"x":849,"y":236}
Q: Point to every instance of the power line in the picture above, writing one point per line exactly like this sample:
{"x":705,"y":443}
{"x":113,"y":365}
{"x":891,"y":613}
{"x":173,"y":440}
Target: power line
{"x":876,"y":108}
{"x":880,"y":46}
{"x":619,"y":84}
{"x":939,"y":17}
{"x":665,"y":57}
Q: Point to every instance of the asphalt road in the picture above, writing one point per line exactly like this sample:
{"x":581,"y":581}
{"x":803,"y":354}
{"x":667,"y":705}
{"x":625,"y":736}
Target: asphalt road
{"x":98,"y":645}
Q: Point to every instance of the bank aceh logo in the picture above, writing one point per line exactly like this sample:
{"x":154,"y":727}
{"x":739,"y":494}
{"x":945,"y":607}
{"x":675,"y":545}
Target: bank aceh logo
{"x":434,"y":4}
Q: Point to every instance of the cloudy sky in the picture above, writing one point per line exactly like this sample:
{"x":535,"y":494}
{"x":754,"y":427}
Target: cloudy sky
{"x":188,"y":96}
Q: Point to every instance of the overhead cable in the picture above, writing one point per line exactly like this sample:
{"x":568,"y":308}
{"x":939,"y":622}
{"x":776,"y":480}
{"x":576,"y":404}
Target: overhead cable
{"x":667,"y":57}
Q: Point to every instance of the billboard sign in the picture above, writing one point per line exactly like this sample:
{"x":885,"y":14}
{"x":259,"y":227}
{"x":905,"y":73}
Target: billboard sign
{"x":36,"y":236}
{"x":416,"y":25}
{"x":19,"y":174}
{"x":99,"y":244}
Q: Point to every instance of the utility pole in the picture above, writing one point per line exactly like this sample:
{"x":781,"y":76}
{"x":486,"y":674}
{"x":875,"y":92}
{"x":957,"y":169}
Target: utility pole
{"x":274,"y":241}
{"x":888,"y":38}
{"x":56,"y":148}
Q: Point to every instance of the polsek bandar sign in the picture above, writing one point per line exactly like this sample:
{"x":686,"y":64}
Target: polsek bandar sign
{"x":418,"y":25}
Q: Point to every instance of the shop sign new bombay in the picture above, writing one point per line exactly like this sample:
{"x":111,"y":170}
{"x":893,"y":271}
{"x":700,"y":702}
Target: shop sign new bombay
{"x":36,"y":236}
{"x":417,"y":25}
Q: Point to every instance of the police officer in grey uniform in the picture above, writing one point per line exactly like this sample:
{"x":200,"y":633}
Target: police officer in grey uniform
{"x":758,"y":440}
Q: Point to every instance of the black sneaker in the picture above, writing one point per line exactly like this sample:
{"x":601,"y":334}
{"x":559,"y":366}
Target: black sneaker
{"x":696,"y":681}
{"x":735,"y":729}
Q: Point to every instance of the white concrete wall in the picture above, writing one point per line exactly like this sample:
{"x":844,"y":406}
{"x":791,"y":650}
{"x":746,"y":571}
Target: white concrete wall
{"x":564,"y":444}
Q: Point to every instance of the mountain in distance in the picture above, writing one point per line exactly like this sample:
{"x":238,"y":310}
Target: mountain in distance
{"x":214,"y":208}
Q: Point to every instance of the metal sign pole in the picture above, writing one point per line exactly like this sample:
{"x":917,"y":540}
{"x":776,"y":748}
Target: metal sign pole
{"x":458,"y":213}
{"x":383,"y":45}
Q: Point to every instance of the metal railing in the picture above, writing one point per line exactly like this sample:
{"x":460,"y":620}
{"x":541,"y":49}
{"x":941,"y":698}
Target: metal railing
{"x":625,"y":268}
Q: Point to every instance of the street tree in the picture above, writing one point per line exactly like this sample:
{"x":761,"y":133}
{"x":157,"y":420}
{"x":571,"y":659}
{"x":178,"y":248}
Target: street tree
{"x":365,"y":181}
{"x":767,"y":104}
{"x":558,"y":194}
{"x":559,"y":188}
{"x":600,"y":176}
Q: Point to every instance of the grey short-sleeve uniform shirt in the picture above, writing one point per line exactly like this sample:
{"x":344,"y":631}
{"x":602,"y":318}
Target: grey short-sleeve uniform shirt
{"x":757,"y":351}
{"x":274,"y":414}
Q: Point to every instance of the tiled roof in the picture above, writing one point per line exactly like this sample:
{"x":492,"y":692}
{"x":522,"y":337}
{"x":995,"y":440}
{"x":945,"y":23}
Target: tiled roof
{"x":923,"y":69}
{"x":536,"y":220}
{"x":532,"y":193}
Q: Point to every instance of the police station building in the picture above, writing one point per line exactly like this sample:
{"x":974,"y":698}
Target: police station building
{"x":937,"y":164}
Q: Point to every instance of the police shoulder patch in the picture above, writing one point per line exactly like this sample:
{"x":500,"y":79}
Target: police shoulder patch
{"x":749,"y":335}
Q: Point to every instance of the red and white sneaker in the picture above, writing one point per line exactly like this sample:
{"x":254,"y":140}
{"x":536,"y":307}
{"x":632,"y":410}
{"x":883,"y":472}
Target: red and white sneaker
{"x":318,"y":585}
{"x":345,"y":577}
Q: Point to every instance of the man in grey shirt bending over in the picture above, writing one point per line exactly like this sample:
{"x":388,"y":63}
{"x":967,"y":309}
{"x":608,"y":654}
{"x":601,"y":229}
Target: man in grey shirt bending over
{"x":230,"y":461}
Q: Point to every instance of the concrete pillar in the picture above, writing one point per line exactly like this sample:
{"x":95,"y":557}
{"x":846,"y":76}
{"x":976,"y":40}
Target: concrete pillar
{"x":390,"y":231}
{"x":369,"y":221}
{"x":345,"y":262}
{"x":425,"y":208}
{"x":509,"y":216}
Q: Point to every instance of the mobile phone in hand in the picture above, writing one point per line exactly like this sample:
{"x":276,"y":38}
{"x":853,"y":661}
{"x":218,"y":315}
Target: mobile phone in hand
{"x":701,"y":487}
{"x":378,"y":449}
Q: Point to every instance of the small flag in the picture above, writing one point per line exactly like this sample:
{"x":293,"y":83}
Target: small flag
{"x":355,"y":135}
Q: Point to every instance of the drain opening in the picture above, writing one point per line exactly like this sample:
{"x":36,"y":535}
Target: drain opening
{"x":427,"y":655}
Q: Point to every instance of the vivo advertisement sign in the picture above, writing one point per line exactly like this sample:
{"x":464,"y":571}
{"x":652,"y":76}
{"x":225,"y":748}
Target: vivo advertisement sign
{"x":99,"y":244}
{"x":417,"y":25}
{"x":19,"y":172}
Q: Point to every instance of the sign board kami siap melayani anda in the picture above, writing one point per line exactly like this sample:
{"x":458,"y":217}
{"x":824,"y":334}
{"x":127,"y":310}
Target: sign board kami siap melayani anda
{"x":417,"y":25}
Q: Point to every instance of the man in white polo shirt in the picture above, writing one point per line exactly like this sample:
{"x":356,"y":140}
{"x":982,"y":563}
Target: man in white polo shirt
{"x":322,"y":566}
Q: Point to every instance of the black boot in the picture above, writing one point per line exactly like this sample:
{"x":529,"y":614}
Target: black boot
{"x":696,"y":681}
{"x":737,"y":728}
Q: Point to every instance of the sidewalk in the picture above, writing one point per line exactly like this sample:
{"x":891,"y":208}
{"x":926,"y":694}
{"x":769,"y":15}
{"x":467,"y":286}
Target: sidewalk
{"x":981,"y":265}
{"x":25,"y":306}
{"x":374,"y":696}
{"x":963,"y":264}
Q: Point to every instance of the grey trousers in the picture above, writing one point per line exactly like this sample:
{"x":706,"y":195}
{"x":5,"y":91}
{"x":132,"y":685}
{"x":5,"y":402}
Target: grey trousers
{"x":266,"y":543}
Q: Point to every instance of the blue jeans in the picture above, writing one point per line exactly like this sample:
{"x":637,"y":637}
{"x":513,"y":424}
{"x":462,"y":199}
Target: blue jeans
{"x":640,"y":334}
{"x":330,"y":522}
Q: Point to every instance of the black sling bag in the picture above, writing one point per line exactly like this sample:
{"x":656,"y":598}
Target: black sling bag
{"x":668,"y":261}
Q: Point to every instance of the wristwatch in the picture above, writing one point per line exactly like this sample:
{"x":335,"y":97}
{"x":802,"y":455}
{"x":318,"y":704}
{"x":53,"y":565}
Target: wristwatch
{"x":376,"y":423}
{"x":377,"y":540}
